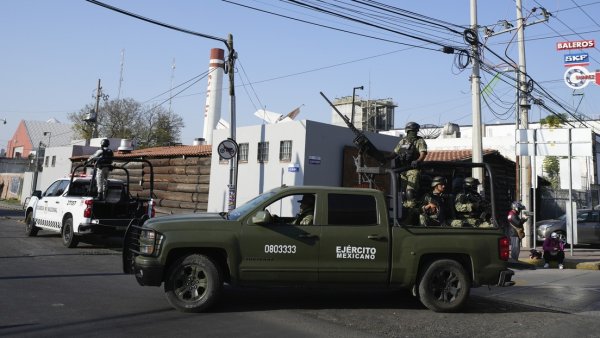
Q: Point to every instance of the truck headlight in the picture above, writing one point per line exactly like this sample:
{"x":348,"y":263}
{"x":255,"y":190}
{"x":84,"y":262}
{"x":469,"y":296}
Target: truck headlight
{"x":150,"y":242}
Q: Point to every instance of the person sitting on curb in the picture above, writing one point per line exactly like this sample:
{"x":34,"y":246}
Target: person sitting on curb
{"x":554,"y":250}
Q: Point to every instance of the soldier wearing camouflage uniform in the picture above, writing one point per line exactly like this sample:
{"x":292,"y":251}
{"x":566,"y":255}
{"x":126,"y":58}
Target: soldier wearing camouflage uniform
{"x":472,"y":208}
{"x":307,"y":210}
{"x":437,"y":209}
{"x":411,"y":150}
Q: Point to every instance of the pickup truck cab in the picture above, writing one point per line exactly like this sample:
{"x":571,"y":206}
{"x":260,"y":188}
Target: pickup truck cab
{"x":358,"y":237}
{"x":70,"y":206}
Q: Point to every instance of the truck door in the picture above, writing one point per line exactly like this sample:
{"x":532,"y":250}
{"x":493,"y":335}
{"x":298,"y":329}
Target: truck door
{"x":280,"y":250}
{"x":55,"y":204}
{"x":43,"y":216}
{"x":354,"y":240}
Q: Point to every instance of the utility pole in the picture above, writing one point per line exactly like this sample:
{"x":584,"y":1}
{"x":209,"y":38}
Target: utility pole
{"x":233,"y":164}
{"x":98,"y":95}
{"x":477,"y":151}
{"x":525,"y":163}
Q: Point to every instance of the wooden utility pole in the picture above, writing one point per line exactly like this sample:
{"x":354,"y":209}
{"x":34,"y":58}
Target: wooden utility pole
{"x":95,"y":126}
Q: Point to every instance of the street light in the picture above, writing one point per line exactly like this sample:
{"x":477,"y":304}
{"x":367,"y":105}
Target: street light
{"x":353,"y":95}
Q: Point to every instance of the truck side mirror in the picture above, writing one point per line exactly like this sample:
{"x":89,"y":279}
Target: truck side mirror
{"x":37,"y":193}
{"x":262,"y":217}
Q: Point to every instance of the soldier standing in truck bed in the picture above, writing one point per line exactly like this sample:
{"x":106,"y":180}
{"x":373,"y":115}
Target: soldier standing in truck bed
{"x":411,"y":150}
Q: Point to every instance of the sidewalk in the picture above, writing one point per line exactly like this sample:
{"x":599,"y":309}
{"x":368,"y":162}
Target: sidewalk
{"x":584,"y":257}
{"x":10,"y":206}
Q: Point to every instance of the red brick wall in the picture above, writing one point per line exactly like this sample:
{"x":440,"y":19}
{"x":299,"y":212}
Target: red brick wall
{"x":19,"y":139}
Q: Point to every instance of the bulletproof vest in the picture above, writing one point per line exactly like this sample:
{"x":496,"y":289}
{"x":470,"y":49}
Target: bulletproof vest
{"x":106,"y":157}
{"x":407,"y":151}
{"x":441,"y":202}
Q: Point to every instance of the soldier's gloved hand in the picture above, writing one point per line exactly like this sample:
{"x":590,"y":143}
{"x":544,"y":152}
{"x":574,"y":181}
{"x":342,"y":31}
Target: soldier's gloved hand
{"x":414,"y":164}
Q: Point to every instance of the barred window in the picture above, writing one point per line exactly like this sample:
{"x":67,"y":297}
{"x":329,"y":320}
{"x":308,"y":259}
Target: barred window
{"x":285,"y":150}
{"x":263,"y":152}
{"x":46,"y":161}
{"x":243,"y":151}
{"x":53,"y":160}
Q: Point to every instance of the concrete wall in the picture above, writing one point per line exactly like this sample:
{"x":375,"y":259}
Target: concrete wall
{"x":11,"y":185}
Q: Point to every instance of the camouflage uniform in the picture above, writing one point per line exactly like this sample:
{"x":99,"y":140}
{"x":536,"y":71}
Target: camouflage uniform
{"x":305,"y":217}
{"x":307,"y":210}
{"x":471,"y":206}
{"x":410,"y":148}
{"x":443,"y":202}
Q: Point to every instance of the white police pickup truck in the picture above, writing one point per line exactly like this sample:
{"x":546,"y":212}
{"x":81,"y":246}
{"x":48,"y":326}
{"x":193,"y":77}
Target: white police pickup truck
{"x":70,"y":206}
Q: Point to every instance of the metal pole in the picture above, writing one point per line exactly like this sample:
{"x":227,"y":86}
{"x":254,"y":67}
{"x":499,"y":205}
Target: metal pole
{"x":525,"y":163}
{"x":95,"y":130}
{"x":353,"y":95}
{"x":477,"y":147}
{"x":573,"y":212}
{"x":233,"y":167}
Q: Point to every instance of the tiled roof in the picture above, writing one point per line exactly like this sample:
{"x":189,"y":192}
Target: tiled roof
{"x":201,"y":150}
{"x":454,"y":155}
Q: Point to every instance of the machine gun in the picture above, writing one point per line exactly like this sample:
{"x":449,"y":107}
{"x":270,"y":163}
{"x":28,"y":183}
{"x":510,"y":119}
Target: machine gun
{"x":361,"y":141}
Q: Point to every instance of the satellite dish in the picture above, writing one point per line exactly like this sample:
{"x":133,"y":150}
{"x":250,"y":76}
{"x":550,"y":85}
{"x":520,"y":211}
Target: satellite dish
{"x":430,"y":131}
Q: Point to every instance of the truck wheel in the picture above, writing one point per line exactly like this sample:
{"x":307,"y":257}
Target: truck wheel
{"x":444,"y":286}
{"x":193,"y":283}
{"x":68,"y":235}
{"x":30,"y":229}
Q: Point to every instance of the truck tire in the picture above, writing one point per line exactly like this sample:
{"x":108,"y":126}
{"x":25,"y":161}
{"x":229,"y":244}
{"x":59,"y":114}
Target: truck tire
{"x":30,"y":229}
{"x":69,"y":239}
{"x":193,"y":283}
{"x":444,"y":286}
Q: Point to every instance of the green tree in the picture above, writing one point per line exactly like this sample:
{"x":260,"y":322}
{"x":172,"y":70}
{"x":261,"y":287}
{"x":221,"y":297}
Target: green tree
{"x":127,"y":118}
{"x":551,"y":167}
{"x":554,"y":121}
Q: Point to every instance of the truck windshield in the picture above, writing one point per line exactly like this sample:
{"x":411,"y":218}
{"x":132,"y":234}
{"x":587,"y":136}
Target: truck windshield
{"x":251,"y":204}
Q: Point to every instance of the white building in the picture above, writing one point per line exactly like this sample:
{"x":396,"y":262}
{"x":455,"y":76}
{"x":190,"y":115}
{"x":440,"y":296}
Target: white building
{"x":292,"y":153}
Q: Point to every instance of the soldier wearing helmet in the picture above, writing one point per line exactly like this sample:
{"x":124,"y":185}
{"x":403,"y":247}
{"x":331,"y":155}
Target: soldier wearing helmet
{"x":437,"y":207}
{"x":471,"y":207}
{"x":516,"y":221}
{"x":102,"y":160}
{"x":411,"y":150}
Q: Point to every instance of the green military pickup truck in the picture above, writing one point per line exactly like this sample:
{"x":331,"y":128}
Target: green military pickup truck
{"x":355,"y":237}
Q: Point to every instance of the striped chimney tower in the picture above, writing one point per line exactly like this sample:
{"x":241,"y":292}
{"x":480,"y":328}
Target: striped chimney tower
{"x":214,"y":92}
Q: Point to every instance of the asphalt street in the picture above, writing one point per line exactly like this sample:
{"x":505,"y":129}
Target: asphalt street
{"x":47,"y":290}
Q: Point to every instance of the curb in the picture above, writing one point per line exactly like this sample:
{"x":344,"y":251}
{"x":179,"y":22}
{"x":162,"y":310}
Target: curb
{"x":568,"y":264}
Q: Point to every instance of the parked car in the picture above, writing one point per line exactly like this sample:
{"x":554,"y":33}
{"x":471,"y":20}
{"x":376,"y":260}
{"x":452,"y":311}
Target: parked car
{"x":588,"y":227}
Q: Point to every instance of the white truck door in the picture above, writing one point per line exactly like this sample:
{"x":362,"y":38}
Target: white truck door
{"x":42,"y":216}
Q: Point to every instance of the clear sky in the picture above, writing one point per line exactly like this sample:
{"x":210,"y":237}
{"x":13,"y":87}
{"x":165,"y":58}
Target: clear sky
{"x":54,"y":52}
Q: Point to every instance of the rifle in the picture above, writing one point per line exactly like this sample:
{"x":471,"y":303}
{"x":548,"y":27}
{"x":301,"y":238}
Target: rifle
{"x":361,"y":141}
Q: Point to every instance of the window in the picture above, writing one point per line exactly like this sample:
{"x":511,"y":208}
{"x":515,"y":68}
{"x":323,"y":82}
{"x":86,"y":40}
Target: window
{"x":263,"y":152}
{"x":285,"y":151}
{"x":52,"y":188}
{"x":46,"y":161}
{"x":53,"y":160}
{"x":346,"y":209}
{"x":243,"y":155}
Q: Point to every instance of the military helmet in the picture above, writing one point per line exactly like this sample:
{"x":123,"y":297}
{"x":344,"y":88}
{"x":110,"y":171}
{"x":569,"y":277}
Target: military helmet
{"x":104,"y":142}
{"x":438,"y":180}
{"x":518,"y":206}
{"x":412,"y":126}
{"x":471,"y":182}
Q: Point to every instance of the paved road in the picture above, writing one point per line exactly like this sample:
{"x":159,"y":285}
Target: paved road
{"x":48,"y":290}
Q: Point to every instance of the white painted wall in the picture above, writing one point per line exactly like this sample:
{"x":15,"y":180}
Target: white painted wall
{"x":322,"y":142}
